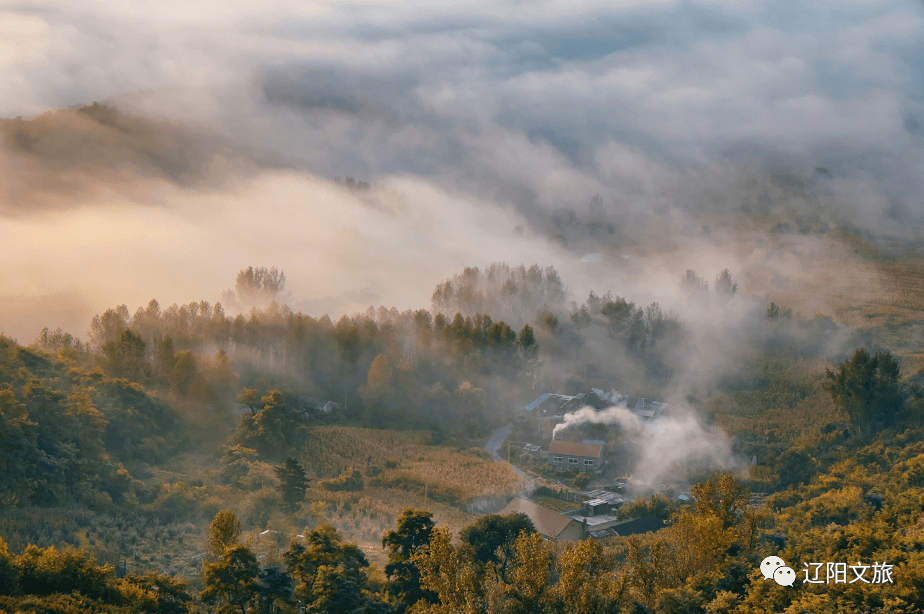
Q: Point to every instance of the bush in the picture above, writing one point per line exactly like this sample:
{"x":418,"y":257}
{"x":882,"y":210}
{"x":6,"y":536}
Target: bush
{"x":350,"y":480}
{"x":47,"y":571}
{"x":581,"y":480}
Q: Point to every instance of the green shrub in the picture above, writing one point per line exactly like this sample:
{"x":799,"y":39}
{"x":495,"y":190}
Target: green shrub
{"x":349,"y":480}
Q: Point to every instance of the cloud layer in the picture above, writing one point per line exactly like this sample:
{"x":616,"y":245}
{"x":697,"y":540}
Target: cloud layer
{"x":494,"y":126}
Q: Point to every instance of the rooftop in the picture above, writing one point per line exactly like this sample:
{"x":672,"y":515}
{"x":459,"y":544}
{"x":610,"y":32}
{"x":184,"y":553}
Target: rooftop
{"x":605,"y":495}
{"x":642,"y":525}
{"x":602,"y":521}
{"x":575,"y":448}
{"x":545,"y":520}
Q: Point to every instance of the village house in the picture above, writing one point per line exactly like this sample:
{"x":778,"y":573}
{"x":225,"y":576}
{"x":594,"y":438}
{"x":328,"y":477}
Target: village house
{"x":576,"y":455}
{"x":549,"y":524}
{"x":599,"y":515}
{"x":548,"y":403}
{"x":582,"y":523}
{"x":647,"y":411}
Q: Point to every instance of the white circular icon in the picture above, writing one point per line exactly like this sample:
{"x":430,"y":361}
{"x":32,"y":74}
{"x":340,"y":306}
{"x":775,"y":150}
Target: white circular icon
{"x":769,"y":565}
{"x":784,"y":576}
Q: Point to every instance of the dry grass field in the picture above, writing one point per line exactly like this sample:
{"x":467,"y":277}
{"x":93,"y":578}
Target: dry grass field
{"x":406,"y":457}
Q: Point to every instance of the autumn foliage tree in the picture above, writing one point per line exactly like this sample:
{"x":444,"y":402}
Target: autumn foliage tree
{"x":232,"y":580}
{"x":224,"y":531}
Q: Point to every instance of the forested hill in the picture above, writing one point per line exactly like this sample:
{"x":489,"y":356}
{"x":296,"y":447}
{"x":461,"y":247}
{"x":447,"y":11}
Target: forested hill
{"x":67,"y":430}
{"x":277,"y":425}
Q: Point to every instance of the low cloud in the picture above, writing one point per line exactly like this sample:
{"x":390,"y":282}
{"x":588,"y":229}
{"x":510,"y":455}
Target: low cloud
{"x":664,"y":136}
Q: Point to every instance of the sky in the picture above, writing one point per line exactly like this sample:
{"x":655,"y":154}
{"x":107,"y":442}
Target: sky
{"x":664,"y":135}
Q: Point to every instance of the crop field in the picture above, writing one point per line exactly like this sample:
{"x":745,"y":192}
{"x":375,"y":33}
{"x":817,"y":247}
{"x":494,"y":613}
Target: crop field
{"x":362,"y":517}
{"x":406,"y":459}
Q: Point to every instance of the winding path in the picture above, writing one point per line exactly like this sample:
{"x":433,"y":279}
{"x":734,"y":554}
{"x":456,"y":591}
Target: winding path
{"x":494,"y":444}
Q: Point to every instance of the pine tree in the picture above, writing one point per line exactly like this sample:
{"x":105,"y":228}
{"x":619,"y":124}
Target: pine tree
{"x":867,"y":388}
{"x":292,"y":482}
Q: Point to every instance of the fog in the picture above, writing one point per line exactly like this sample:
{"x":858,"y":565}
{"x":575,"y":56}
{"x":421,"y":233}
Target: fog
{"x":699,"y":126}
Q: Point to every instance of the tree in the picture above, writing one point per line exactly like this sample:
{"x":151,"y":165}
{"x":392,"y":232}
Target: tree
{"x":451,"y":573}
{"x":46,"y":571}
{"x":492,"y":537}
{"x":794,"y":466}
{"x":775,"y":312}
{"x":221,"y":373}
{"x":259,"y":285}
{"x":224,"y":531}
{"x":501,"y":337}
{"x":125,"y":356}
{"x":724,"y":286}
{"x":8,"y":576}
{"x":249,"y":398}
{"x":274,"y":585}
{"x":292,"y":482}
{"x":164,"y":357}
{"x":532,"y":574}
{"x":109,"y":326}
{"x":236,"y":466}
{"x":275,"y":428}
{"x":719,"y":521}
{"x":171,"y":594}
{"x":184,"y":372}
{"x":527,"y":341}
{"x":232,"y":580}
{"x":409,"y":538}
{"x":331,"y":574}
{"x":692,"y":284}
{"x":726,"y":500}
{"x":380,"y":375}
{"x":586,"y":582}
{"x":617,"y":312}
{"x":867,"y":389}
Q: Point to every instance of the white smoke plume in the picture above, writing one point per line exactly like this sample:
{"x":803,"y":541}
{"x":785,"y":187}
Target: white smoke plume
{"x":613,"y":415}
{"x":662,"y":443}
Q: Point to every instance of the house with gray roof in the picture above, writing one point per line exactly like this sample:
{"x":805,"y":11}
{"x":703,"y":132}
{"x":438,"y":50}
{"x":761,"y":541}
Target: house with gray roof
{"x":550,"y":524}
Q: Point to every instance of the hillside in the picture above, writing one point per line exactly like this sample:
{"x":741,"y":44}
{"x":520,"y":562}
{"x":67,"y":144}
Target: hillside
{"x":128,"y":447}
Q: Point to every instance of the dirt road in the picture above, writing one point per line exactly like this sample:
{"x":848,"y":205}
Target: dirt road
{"x":495,"y":442}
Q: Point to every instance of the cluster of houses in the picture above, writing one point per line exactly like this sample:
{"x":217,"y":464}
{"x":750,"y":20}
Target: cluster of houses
{"x":595,"y":518}
{"x":586,"y":455}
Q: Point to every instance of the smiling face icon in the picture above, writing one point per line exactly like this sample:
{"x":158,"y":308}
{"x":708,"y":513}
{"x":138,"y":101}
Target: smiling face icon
{"x":784,"y":576}
{"x":769,"y":565}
